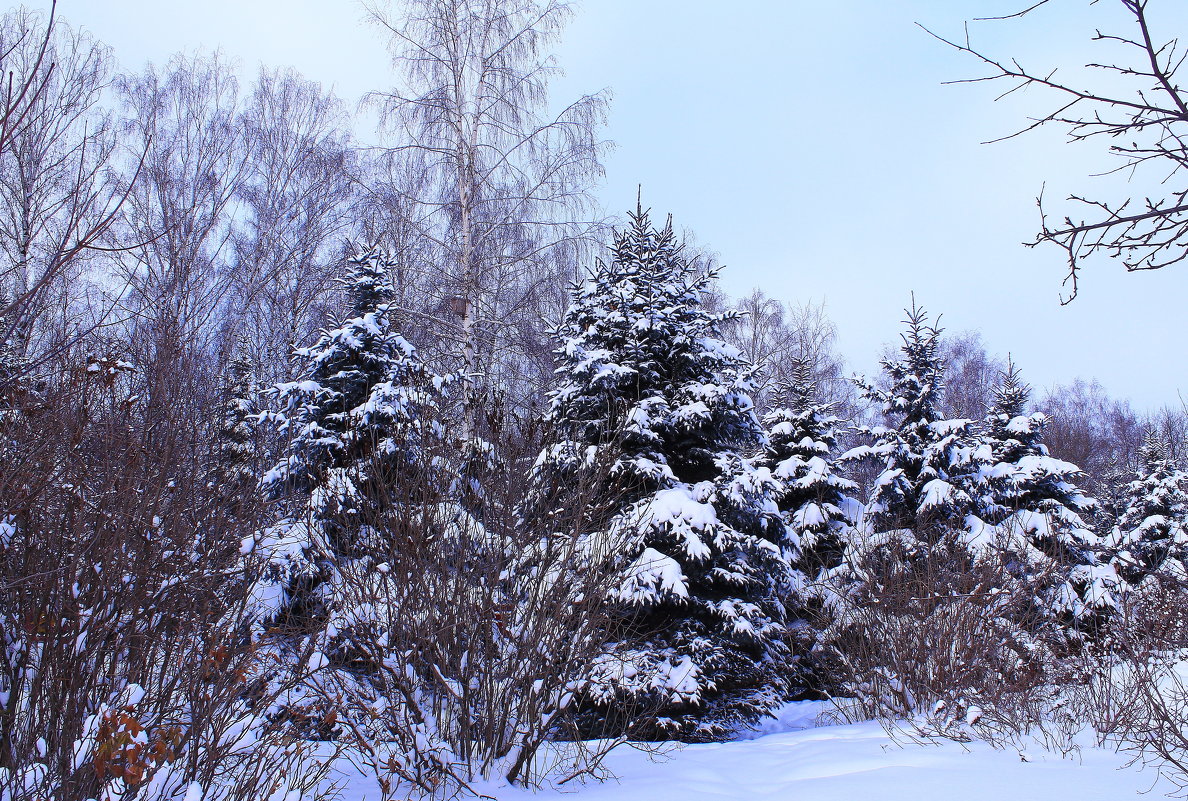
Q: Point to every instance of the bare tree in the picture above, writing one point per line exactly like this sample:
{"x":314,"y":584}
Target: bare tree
{"x":816,"y":343}
{"x":499,"y":182}
{"x":1140,"y":109}
{"x":970,"y":376}
{"x":389,"y":216}
{"x":185,"y":121}
{"x":57,"y":198}
{"x":1098,"y":433}
{"x":775,"y":335}
{"x":22,"y":91}
{"x":759,"y":328}
{"x":297,"y":206}
{"x":1171,"y":426}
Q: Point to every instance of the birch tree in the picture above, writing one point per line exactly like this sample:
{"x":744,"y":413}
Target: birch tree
{"x":56,"y":195}
{"x":297,"y":199}
{"x":500,"y":182}
{"x":179,"y":213}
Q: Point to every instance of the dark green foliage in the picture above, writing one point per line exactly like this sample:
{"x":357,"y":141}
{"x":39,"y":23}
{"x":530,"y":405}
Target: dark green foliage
{"x":694,"y":652}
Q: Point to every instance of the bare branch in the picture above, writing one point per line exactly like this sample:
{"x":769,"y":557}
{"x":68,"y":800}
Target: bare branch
{"x":1147,"y":122}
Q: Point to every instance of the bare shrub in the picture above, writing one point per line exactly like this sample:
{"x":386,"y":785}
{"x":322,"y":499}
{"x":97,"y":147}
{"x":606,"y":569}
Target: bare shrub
{"x":951,"y":639}
{"x":1134,"y":689}
{"x":454,"y":637}
{"x":123,"y":671}
{"x":944,"y":646}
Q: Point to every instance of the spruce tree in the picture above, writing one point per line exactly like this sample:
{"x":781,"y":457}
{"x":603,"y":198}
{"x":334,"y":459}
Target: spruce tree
{"x":1113,"y":483}
{"x":931,"y":467}
{"x":1036,"y":481}
{"x":696,"y":640}
{"x":818,"y":513}
{"x":359,"y":419}
{"x":233,"y":471}
{"x":928,"y":556}
{"x":16,"y":385}
{"x":1151,"y":537}
{"x":912,"y":552}
{"x":1038,"y":510}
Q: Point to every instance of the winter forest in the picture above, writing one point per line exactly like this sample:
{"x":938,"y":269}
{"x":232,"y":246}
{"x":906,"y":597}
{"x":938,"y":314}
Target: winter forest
{"x":361,"y":453}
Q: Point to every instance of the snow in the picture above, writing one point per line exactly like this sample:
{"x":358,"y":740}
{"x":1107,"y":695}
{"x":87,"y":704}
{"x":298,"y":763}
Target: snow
{"x":683,"y":678}
{"x":651,"y":574}
{"x":794,"y":757}
{"x":685,"y":514}
{"x":938,"y":494}
{"x":1101,"y":581}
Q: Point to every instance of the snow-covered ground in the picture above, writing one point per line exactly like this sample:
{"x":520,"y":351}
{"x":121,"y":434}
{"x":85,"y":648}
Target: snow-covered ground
{"x":794,"y":760}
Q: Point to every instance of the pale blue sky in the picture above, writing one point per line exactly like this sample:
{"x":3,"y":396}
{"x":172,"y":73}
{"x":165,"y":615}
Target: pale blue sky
{"x":812,"y":145}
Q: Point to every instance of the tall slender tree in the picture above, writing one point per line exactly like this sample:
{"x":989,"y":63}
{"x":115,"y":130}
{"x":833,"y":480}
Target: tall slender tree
{"x":233,"y":471}
{"x":359,"y":421}
{"x":929,"y":464}
{"x":297,"y":205}
{"x":499,"y":187}
{"x":1039,"y":511}
{"x":178,"y":219}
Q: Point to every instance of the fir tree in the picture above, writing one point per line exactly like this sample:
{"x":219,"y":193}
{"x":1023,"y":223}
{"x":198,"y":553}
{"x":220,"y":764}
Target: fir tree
{"x":817,"y":510}
{"x":1036,"y":481}
{"x":698,"y":632}
{"x":923,"y":511}
{"x":928,"y":544}
{"x":1113,"y":482}
{"x":1151,"y":537}
{"x":16,"y":390}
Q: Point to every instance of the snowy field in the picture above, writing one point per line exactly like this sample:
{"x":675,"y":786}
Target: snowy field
{"x":796,"y":761}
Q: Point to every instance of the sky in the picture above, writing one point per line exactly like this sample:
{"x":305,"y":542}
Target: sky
{"x":814,"y":146}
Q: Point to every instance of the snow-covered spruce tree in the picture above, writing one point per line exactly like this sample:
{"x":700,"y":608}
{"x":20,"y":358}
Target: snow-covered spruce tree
{"x":1113,"y":483}
{"x":359,"y":420}
{"x":927,"y":490}
{"x":919,"y":622}
{"x":696,"y":648}
{"x":1151,"y":537}
{"x":1033,"y":502}
{"x":818,"y":513}
{"x":232,"y":472}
